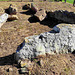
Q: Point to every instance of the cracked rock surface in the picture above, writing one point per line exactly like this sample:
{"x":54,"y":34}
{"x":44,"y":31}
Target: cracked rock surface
{"x":59,"y":40}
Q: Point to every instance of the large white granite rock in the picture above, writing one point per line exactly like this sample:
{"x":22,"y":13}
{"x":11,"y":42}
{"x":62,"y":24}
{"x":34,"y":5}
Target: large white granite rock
{"x":57,"y":41}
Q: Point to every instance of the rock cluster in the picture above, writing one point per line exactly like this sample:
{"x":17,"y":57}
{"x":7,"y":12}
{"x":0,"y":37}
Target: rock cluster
{"x":58,"y":41}
{"x":63,"y":15}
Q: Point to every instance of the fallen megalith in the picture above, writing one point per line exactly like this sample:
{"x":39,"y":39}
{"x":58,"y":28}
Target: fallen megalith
{"x":58,"y":41}
{"x":63,"y":15}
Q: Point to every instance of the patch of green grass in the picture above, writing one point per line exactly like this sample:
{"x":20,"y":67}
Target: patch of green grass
{"x":4,"y":0}
{"x":69,"y":1}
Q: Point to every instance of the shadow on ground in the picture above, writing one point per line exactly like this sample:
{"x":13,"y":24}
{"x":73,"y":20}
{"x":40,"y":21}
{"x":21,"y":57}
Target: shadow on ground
{"x":28,"y":12}
{"x":33,"y":19}
{"x":7,"y":60}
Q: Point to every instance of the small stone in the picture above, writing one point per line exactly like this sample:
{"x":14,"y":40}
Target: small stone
{"x":2,"y":43}
{"x":26,"y":40}
{"x":24,"y":70}
{"x":10,"y":69}
{"x":41,"y":62}
{"x":26,"y":63}
{"x":41,"y":14}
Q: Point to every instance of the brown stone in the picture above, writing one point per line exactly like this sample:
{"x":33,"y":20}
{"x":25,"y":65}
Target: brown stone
{"x":26,"y":63}
{"x":41,"y":14}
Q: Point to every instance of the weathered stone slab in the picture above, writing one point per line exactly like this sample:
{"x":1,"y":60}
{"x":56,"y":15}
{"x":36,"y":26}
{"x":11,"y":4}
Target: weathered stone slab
{"x":3,"y":19}
{"x":41,"y":14}
{"x":57,"y":41}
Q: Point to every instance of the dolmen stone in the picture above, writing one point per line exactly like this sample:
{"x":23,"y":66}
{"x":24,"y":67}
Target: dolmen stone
{"x":41,"y":14}
{"x":58,"y":41}
{"x":12,"y":10}
{"x":63,"y":15}
{"x":3,"y":19}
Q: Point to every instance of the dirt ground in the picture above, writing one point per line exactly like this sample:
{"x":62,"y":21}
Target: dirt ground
{"x":13,"y":33}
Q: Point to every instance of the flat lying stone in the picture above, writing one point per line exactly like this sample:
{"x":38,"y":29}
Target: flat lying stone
{"x":55,"y":42}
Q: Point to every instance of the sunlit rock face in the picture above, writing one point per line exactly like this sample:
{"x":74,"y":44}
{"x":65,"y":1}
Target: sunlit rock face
{"x":58,"y":41}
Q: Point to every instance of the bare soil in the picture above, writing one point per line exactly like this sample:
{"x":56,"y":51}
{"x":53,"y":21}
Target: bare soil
{"x":13,"y":33}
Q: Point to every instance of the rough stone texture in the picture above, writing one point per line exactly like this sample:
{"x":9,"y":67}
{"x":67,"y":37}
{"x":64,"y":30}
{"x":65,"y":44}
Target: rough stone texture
{"x":62,"y":15}
{"x":41,"y":14}
{"x":3,"y":19}
{"x":52,"y":42}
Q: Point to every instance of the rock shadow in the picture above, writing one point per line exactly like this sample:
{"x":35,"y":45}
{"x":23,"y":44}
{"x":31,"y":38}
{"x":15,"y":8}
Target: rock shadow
{"x":50,"y":22}
{"x":29,"y":12}
{"x":20,"y":46}
{"x":33,"y":19}
{"x":7,"y":11}
{"x":73,"y":52}
{"x":7,"y":60}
